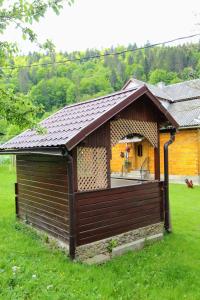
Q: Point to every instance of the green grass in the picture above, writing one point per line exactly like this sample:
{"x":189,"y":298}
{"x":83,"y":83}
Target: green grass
{"x":169,"y":269}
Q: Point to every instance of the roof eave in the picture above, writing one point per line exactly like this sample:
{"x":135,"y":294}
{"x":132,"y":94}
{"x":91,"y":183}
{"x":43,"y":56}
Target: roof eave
{"x":56,"y":151}
{"x":189,"y":127}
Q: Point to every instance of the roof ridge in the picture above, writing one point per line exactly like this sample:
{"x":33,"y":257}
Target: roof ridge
{"x":150,"y":85}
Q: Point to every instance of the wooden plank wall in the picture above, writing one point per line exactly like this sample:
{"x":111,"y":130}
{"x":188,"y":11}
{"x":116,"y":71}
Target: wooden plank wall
{"x":42,"y":193}
{"x":138,"y":111}
{"x":105,"y":213}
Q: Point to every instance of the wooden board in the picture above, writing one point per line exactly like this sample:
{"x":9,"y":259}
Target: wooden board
{"x":102,"y":214}
{"x":43,"y":193}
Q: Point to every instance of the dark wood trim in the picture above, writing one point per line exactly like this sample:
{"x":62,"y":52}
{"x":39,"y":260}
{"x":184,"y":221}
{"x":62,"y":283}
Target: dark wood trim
{"x":109,"y":151}
{"x":72,"y":206}
{"x":51,"y":150}
{"x":74,"y":156}
{"x":157,"y":158}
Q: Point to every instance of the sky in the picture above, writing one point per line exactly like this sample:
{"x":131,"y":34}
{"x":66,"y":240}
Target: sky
{"x":102,"y":23}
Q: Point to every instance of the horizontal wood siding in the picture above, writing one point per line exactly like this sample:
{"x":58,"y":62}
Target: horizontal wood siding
{"x":43,"y":193}
{"x":138,"y":111}
{"x":102,"y":214}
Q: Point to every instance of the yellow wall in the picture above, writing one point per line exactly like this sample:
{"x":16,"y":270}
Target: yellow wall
{"x":184,"y":154}
{"x":117,"y":162}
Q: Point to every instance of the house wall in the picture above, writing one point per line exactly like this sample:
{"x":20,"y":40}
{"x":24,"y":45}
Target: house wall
{"x":117,"y":162}
{"x":42,"y":193}
{"x":184,"y":155}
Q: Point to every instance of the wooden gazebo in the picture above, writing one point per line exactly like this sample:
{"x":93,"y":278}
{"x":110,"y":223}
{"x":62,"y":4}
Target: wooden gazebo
{"x":64,"y":185}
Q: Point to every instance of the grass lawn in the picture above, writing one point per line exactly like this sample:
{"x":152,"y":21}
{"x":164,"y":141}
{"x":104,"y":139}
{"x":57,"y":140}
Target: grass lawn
{"x":169,"y":269}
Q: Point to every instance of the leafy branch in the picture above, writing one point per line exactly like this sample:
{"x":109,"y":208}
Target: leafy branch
{"x":17,"y":108}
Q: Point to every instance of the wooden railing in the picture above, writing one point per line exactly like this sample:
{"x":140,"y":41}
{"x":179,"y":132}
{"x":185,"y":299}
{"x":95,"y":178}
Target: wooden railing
{"x":104,"y":213}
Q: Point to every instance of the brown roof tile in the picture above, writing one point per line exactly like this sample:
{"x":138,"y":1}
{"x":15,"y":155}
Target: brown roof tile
{"x":66,"y":123}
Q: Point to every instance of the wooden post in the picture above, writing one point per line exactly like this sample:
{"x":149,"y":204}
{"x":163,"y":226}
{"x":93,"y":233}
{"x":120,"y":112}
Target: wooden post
{"x":157,"y":159}
{"x":16,"y":200}
{"x":72,"y":206}
{"x":198,"y":154}
{"x":109,"y":155}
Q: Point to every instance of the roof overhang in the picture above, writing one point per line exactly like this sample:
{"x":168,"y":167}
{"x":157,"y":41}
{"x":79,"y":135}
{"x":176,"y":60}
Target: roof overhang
{"x":56,"y":151}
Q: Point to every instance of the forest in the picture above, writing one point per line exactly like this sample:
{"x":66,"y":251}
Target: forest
{"x":48,"y":81}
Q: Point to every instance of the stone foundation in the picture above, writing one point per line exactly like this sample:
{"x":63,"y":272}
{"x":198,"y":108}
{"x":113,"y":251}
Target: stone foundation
{"x":101,"y":247}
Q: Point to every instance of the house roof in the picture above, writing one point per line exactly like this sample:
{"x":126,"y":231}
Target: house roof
{"x":73,"y":123}
{"x":186,"y":113}
{"x":183,"y":90}
{"x":157,"y":91}
{"x":182,"y":100}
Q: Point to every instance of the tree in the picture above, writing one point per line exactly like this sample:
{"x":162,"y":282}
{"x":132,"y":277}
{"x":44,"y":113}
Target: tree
{"x":54,"y":92}
{"x":160,"y":75}
{"x":18,"y":109}
{"x":22,"y":13}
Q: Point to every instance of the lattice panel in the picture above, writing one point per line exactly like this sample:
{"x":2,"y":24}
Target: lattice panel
{"x":122,"y":127}
{"x":92,"y":168}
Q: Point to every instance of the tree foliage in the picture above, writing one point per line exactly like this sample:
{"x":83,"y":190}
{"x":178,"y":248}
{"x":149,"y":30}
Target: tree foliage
{"x":46,"y":81}
{"x":16,"y":109}
{"x":15,"y":105}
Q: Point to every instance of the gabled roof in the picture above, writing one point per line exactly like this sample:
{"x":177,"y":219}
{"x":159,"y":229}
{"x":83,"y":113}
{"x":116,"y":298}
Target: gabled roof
{"x":73,"y":123}
{"x":182,"y":100}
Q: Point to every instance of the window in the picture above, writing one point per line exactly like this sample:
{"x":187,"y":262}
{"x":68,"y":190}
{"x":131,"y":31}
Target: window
{"x":139,"y":150}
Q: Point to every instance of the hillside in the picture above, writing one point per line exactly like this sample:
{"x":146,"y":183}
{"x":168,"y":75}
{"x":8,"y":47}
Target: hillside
{"x":54,"y":85}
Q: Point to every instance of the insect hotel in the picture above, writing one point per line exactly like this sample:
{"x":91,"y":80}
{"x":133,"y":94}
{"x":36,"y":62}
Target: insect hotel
{"x":65,"y":185}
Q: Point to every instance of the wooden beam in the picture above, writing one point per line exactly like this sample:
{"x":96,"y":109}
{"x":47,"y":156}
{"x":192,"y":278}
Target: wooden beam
{"x":157,"y":159}
{"x":198,"y":152}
